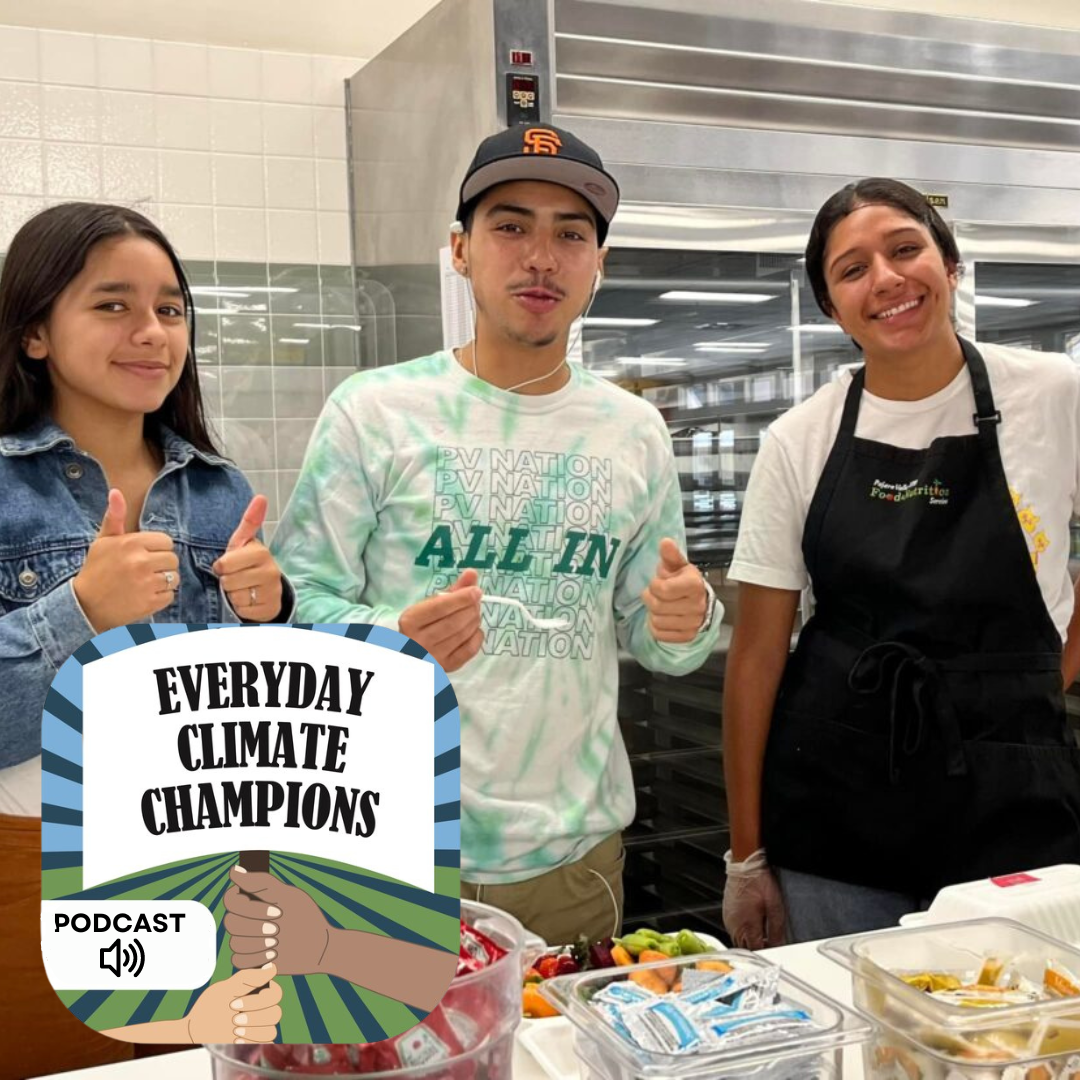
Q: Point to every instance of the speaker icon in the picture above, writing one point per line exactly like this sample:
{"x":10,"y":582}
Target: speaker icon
{"x":133,"y":959}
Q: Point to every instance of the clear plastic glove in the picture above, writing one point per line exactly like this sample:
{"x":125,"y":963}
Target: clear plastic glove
{"x":753,"y":906}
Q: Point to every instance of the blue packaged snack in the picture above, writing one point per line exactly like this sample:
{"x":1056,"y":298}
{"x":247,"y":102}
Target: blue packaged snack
{"x":663,"y":1026}
{"x":757,"y":1025}
{"x":624,"y":993}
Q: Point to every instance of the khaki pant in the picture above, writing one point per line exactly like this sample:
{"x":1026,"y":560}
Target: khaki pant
{"x":42,"y":1036}
{"x":583,"y":897}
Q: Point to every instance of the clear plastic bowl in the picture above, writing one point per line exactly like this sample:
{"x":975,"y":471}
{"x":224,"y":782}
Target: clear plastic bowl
{"x":486,"y":1007}
{"x":491,"y":1060}
{"x":892,"y":1056}
{"x":949,"y":1040}
{"x":604,"y":1054}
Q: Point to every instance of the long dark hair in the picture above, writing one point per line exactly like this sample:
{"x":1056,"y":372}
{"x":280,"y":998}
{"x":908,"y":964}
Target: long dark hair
{"x":873,"y":191}
{"x":45,"y":255}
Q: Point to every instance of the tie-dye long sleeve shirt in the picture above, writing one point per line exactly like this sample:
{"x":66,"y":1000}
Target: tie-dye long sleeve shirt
{"x":418,"y":471}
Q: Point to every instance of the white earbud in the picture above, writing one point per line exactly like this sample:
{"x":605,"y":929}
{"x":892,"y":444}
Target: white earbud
{"x":598,"y":281}
{"x":457,"y":229}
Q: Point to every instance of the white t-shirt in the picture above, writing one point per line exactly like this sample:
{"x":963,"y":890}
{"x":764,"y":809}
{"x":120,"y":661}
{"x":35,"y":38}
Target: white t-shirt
{"x":20,"y":789}
{"x":1038,"y":395}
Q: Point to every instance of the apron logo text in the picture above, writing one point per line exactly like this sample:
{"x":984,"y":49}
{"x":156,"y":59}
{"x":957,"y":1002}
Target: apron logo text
{"x":936,"y":493}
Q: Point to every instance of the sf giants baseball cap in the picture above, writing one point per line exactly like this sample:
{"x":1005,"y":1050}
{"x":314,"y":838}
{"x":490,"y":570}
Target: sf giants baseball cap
{"x":541,"y":153}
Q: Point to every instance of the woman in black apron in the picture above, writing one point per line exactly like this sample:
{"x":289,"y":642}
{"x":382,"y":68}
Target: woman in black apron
{"x":916,"y":737}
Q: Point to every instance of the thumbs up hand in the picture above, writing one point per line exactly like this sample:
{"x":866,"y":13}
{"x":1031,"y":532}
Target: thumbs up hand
{"x":113,"y":523}
{"x":127,"y":576}
{"x":676,"y":598}
{"x":250,"y":523}
{"x":250,"y":577}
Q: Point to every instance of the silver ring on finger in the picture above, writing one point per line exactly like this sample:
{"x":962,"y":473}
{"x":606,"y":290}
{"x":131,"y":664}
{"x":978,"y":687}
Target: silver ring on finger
{"x":253,"y":596}
{"x":170,"y":580}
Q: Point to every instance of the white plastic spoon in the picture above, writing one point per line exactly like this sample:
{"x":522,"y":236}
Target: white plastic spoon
{"x":540,"y":624}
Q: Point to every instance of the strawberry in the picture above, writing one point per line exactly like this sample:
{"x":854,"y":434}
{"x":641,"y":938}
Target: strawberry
{"x":547,"y":966}
{"x":568,"y":965}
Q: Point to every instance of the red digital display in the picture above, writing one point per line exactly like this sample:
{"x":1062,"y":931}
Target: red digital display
{"x":521,"y":57}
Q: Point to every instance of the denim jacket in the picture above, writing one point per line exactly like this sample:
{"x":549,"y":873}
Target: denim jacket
{"x":52,"y":500}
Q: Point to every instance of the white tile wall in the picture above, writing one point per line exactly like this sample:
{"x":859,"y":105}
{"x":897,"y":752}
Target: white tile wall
{"x":183,"y":123}
{"x":181,"y":69}
{"x":129,"y":174}
{"x":186,"y":177}
{"x":128,"y":119}
{"x":239,"y":152}
{"x":14,"y":210}
{"x":125,"y":63}
{"x":72,"y":171}
{"x":287,"y":129}
{"x":236,"y":126}
{"x":235,"y":73}
{"x":293,"y":236}
{"x":238,"y":180}
{"x":21,"y":167}
{"x":20,"y":110}
{"x":286,"y":77}
{"x":334,"y":240}
{"x":190,"y":228}
{"x":240,"y":235}
{"x":332,"y":191}
{"x":19,"y":54}
{"x":68,"y":58}
{"x":328,"y":79}
{"x":290,"y":183}
{"x":329,"y":134}
{"x":69,"y":114}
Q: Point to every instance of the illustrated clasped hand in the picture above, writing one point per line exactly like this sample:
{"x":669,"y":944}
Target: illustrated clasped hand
{"x":129,"y":576}
{"x":260,"y":930}
{"x":240,"y":1009}
{"x":268,"y":920}
{"x":676,"y":597}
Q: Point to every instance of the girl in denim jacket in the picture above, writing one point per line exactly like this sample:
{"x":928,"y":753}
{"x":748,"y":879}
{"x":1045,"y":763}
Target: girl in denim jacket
{"x":117,"y":509}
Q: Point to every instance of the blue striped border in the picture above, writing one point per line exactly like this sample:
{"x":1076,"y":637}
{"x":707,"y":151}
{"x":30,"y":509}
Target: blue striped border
{"x":62,"y":775}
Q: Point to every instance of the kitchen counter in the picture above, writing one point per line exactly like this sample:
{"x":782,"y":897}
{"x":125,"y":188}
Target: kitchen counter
{"x":803,"y":961}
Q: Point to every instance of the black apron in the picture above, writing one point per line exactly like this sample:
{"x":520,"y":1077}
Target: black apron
{"x":919,"y":736}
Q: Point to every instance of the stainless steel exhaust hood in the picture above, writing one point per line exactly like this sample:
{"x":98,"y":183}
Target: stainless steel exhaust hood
{"x":703,"y":104}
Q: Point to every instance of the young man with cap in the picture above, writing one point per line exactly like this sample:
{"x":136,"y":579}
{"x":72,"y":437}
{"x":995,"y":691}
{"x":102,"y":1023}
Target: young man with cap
{"x":461,"y":497}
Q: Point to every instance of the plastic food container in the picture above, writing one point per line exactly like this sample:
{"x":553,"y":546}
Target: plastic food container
{"x":891,"y":1056}
{"x":1047,"y":899}
{"x":483,"y":1010}
{"x":605,"y":1055}
{"x":923,"y":1038}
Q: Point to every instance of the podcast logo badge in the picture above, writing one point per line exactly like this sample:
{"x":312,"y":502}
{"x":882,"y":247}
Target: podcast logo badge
{"x":250,"y":833}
